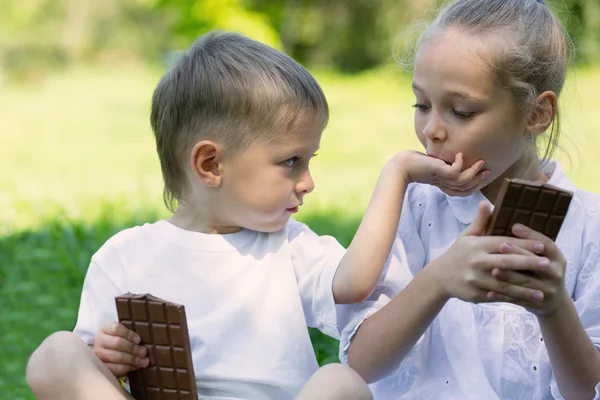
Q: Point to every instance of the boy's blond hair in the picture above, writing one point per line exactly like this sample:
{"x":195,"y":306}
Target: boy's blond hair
{"x":233,"y":90}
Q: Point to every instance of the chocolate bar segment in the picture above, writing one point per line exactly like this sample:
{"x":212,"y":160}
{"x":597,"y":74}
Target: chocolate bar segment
{"x":162,"y":326}
{"x":540,"y":206}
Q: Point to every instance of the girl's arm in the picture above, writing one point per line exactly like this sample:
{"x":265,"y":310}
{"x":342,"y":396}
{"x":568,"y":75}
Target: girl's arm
{"x":463,"y":271}
{"x":385,"y":338}
{"x":574,"y":358}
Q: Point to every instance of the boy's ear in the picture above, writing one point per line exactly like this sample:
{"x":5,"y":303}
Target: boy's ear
{"x":543,"y":113}
{"x":206,"y":159}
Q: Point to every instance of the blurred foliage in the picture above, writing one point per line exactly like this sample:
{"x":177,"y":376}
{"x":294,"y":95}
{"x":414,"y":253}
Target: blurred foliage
{"x":348,"y":35}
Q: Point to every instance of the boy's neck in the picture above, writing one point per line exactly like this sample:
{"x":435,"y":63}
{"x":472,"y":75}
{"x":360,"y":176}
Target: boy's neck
{"x":528,"y":168}
{"x":193,"y":218}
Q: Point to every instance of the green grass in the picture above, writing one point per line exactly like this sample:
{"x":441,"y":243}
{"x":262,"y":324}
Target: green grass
{"x":79,"y":165}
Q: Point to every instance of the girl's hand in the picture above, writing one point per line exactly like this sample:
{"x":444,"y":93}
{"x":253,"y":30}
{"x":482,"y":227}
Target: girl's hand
{"x":451,"y":179}
{"x":465,"y":270}
{"x":549,"y":281}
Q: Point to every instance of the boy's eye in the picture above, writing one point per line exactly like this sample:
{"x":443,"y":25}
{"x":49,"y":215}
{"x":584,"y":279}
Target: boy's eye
{"x":290,"y":162}
{"x":463,"y":114}
{"x":421,"y":107}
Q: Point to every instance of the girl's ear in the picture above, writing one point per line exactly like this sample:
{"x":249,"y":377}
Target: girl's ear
{"x":543,"y":113}
{"x":206,"y":160}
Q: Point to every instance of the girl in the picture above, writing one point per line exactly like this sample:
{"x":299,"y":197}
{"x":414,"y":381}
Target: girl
{"x":487,"y":75}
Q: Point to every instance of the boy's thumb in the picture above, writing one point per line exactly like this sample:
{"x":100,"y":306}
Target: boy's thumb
{"x":480,"y":223}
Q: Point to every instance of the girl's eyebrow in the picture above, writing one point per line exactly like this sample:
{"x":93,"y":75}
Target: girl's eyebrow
{"x":466,"y":96}
{"x":454,"y":93}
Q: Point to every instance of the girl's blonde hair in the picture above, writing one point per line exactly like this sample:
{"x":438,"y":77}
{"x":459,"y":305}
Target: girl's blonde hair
{"x":531,"y":47}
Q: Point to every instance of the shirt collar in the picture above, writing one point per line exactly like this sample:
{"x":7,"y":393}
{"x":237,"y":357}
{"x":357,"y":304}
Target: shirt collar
{"x":465,"y":208}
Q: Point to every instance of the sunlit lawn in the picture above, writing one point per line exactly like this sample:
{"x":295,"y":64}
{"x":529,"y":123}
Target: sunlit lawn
{"x":78,"y":164}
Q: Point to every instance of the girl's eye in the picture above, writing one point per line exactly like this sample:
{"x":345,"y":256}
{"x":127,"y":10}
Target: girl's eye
{"x":290,"y":162}
{"x":462,"y":114}
{"x":421,"y":107}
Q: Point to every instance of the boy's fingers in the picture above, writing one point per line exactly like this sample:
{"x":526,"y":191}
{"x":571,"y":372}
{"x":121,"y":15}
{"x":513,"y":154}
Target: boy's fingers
{"x":117,"y":329}
{"x":120,"y":344}
{"x":120,"y":370}
{"x":117,"y":357}
{"x":471,"y":173}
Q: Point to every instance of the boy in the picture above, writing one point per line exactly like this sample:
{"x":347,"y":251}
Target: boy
{"x":236,"y":124}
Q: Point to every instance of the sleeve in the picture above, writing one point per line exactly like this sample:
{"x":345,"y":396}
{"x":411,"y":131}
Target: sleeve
{"x":407,"y":255}
{"x":97,"y":305}
{"x":316,"y":259}
{"x":587,"y":291}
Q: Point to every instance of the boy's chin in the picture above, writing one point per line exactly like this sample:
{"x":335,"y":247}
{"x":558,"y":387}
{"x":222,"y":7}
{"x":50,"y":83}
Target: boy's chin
{"x":268,"y":227}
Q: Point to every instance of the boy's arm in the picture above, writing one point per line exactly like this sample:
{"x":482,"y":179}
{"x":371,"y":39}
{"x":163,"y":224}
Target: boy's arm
{"x":365,"y":258}
{"x":363,"y":263}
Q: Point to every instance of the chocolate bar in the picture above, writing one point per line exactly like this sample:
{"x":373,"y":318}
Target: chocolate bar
{"x":162,"y":327}
{"x":540,"y":206}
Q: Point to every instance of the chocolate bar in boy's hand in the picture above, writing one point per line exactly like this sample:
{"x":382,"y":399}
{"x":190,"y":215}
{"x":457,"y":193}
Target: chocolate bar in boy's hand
{"x":162,"y":326}
{"x":540,"y":206}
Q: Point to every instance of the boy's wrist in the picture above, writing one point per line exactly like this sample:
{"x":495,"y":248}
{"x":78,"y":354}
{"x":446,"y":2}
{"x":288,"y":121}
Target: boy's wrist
{"x":398,"y":163}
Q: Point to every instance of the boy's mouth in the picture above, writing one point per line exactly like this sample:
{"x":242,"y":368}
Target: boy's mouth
{"x":292,"y":210}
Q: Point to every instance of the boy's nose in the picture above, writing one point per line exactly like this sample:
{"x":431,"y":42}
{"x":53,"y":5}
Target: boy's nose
{"x":305,"y":184}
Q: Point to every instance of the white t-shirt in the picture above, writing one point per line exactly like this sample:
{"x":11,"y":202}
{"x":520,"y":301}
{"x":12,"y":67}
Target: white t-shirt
{"x":248,"y":297}
{"x":481,"y":351}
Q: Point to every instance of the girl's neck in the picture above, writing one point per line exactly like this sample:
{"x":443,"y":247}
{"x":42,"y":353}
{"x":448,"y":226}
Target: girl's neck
{"x":527,"y":168}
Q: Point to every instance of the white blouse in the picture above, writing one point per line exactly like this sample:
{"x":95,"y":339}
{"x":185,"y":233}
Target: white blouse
{"x":480,"y":351}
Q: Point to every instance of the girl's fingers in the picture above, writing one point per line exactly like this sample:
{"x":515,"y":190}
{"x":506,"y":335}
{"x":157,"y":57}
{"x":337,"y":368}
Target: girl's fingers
{"x":523,"y":232}
{"x":516,"y":262}
{"x":526,"y":248}
{"x":509,"y":290}
{"x":510,"y":245}
{"x":519,"y":278}
{"x":496,"y":297}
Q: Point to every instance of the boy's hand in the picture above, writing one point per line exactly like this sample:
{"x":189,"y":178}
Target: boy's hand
{"x":464,"y":271}
{"x":118,"y":348}
{"x":550,"y":281}
{"x":451,"y":179}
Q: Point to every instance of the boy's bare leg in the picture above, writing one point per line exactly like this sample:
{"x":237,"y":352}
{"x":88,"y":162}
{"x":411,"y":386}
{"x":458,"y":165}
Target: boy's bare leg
{"x":335,"y":382}
{"x":63,"y":367}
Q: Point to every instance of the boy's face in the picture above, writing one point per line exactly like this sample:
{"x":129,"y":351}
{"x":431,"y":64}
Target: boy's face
{"x":265,"y":184}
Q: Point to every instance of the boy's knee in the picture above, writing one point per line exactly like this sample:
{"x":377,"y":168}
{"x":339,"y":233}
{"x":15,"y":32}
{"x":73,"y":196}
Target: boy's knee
{"x":347,"y":383}
{"x":45,"y":361}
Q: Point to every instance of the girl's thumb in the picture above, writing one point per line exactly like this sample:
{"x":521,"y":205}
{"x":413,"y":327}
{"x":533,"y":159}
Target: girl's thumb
{"x":481,"y":221}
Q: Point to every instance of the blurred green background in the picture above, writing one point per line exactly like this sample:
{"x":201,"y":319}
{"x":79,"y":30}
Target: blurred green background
{"x":77,"y":154}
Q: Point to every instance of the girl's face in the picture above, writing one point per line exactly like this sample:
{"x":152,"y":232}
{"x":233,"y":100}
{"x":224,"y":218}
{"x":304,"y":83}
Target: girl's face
{"x":461,"y":108}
